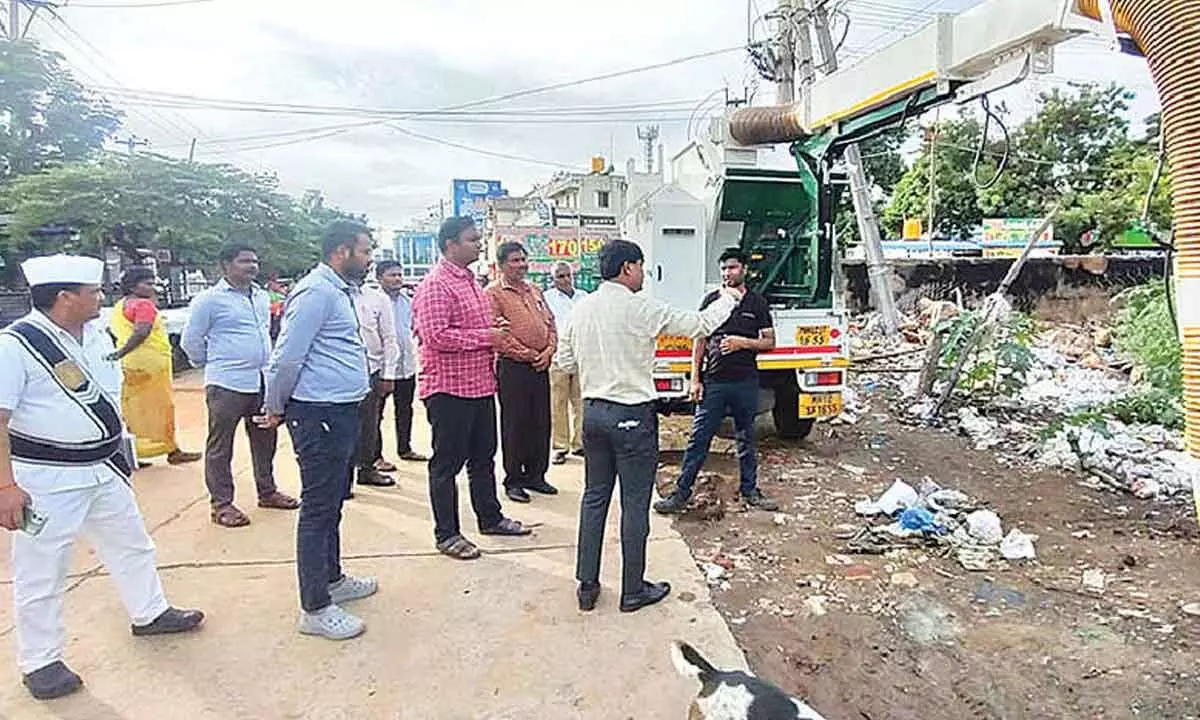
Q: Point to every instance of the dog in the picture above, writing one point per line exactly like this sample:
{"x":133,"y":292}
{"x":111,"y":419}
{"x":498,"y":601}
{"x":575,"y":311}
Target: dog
{"x":734,"y":695}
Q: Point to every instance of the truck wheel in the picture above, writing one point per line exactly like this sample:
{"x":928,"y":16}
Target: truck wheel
{"x":787,"y":425}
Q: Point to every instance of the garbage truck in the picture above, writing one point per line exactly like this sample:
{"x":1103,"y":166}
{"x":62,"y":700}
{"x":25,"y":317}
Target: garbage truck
{"x":723,"y":195}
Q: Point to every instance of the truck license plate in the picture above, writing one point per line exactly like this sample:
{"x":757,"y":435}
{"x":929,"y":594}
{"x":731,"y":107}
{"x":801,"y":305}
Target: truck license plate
{"x":821,"y":405}
{"x":812,"y":335}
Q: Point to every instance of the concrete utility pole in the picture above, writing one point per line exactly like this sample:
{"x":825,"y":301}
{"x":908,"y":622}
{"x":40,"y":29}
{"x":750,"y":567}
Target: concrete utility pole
{"x":133,"y":142}
{"x":14,"y":20}
{"x":785,"y":70}
{"x":868,"y":226}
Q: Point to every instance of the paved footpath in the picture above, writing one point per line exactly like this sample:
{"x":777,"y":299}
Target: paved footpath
{"x":499,"y":638}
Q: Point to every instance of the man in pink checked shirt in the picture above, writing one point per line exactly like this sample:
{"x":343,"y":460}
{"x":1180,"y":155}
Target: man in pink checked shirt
{"x":458,"y":337}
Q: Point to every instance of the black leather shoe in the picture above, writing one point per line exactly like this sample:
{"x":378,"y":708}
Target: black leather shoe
{"x":374,"y":478}
{"x":53,"y":681}
{"x":671,"y":506}
{"x":517,"y":494}
{"x":170,"y":622}
{"x":588,"y":594}
{"x":651,"y":593}
{"x":543,"y":487}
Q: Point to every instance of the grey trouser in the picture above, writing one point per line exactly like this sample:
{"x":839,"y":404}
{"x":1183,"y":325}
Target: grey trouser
{"x":618,"y":441}
{"x":226,"y":410}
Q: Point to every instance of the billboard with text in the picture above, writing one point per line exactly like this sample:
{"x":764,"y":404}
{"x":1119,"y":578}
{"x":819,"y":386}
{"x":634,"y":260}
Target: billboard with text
{"x":549,"y":246}
{"x":471,"y":196}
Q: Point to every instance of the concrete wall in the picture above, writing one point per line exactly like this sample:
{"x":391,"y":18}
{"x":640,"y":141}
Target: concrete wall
{"x":1052,"y":278}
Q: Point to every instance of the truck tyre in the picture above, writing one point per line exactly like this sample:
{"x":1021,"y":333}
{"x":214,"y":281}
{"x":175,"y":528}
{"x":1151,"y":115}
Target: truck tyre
{"x":787,"y":425}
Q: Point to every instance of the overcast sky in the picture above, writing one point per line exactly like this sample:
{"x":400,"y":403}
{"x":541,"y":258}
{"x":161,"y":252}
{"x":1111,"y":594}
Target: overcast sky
{"x":420,"y":54}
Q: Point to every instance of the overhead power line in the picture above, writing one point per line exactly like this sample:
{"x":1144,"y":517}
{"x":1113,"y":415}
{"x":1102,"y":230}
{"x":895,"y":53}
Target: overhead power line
{"x":155,"y":119}
{"x":479,"y":151}
{"x":134,"y":5}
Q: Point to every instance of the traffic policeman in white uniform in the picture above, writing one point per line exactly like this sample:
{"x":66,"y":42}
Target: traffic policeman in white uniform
{"x":65,"y":468}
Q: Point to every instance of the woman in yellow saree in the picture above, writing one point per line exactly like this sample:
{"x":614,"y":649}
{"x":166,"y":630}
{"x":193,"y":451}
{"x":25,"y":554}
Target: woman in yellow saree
{"x":145,"y":354}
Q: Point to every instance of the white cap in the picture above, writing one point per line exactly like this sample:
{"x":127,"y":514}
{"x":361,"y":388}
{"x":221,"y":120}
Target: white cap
{"x":66,"y":269}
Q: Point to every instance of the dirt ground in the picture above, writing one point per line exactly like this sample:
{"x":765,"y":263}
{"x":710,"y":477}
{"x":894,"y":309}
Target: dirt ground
{"x":910,"y":633}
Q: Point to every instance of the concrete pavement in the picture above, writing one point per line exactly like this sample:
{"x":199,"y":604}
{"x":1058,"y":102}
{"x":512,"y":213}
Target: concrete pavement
{"x":497,"y":638}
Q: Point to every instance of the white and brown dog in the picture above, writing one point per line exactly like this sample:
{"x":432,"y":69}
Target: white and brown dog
{"x":734,"y":695}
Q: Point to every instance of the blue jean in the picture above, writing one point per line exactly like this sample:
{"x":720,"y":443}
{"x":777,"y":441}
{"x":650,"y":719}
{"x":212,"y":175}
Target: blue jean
{"x":739,"y":400}
{"x":325,"y":437}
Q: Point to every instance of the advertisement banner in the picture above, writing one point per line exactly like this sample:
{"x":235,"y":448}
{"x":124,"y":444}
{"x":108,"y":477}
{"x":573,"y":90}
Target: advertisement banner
{"x":549,"y":246}
{"x":1007,"y":237}
{"x":471,"y":196}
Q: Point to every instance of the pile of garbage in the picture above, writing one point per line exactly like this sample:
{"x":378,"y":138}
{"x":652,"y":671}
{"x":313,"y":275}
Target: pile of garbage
{"x":1147,"y":460}
{"x":935,"y":516}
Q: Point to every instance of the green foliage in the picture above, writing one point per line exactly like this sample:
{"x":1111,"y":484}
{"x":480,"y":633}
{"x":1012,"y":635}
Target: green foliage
{"x":1094,"y":419}
{"x":885,"y":166}
{"x":47,"y":116}
{"x":148,"y":201}
{"x":1076,"y":149}
{"x":1149,"y":405}
{"x":1000,"y":362}
{"x":957,"y":209}
{"x":1146,"y":331}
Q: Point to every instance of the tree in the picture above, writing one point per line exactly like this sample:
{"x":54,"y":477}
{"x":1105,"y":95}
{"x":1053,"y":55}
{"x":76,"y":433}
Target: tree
{"x":48,"y":117}
{"x":1075,"y":149}
{"x":884,"y":164}
{"x":148,"y":201}
{"x":956,"y":210}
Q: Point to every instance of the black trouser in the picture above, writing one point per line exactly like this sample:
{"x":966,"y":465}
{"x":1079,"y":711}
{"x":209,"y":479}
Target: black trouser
{"x":524,"y":422}
{"x":618,"y":441}
{"x":402,"y":400}
{"x":226,"y":410}
{"x":324,"y":436}
{"x":464,"y":433}
{"x":369,"y":445}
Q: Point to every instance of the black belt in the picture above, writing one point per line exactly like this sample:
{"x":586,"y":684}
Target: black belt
{"x":38,"y":452}
{"x":648,"y":403}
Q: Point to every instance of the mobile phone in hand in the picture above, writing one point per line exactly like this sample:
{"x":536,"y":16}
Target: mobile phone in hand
{"x":32,"y":522}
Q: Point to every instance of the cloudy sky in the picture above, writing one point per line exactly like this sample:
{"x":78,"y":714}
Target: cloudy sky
{"x":433,"y":54}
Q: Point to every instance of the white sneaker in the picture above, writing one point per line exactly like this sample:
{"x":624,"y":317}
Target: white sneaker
{"x":352,"y":588}
{"x":333,"y":623}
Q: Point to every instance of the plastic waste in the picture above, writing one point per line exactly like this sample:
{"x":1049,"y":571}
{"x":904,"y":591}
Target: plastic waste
{"x":899,"y":496}
{"x":1018,"y":546}
{"x":984,"y":526}
{"x":918,"y":518}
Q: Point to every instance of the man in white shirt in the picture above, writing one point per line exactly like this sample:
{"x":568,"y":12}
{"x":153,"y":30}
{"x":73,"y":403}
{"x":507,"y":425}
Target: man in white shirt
{"x":566,"y":404}
{"x":391,"y":280}
{"x":65,"y":460}
{"x":377,"y":326}
{"x":610,"y":343}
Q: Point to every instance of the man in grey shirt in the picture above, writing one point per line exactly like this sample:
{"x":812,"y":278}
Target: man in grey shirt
{"x":228,"y":334}
{"x":316,"y":379}
{"x":610,"y":343}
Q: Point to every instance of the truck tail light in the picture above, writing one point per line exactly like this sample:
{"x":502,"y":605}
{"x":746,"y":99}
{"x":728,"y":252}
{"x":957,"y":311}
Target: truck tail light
{"x":825,"y":378}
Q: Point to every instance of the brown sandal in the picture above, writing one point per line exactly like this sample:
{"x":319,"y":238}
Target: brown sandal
{"x":459,"y":548}
{"x":278,"y":501}
{"x":230,"y":517}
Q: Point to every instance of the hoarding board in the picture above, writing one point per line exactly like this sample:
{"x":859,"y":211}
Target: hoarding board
{"x":471,"y":196}
{"x":549,"y":246}
{"x":1007,"y":237}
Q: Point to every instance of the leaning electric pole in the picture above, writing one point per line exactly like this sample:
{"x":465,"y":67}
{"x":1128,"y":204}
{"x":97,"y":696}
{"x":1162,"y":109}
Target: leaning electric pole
{"x":878,"y":271}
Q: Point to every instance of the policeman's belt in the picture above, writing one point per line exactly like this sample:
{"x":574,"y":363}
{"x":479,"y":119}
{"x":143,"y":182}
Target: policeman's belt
{"x":81,"y":389}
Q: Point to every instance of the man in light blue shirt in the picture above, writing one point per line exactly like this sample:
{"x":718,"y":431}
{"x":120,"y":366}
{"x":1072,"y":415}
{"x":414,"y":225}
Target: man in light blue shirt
{"x":228,"y":334}
{"x":316,"y":379}
{"x":391,"y":279}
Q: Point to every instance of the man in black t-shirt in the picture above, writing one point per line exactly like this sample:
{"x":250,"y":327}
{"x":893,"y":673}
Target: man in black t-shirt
{"x":725,"y":383}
